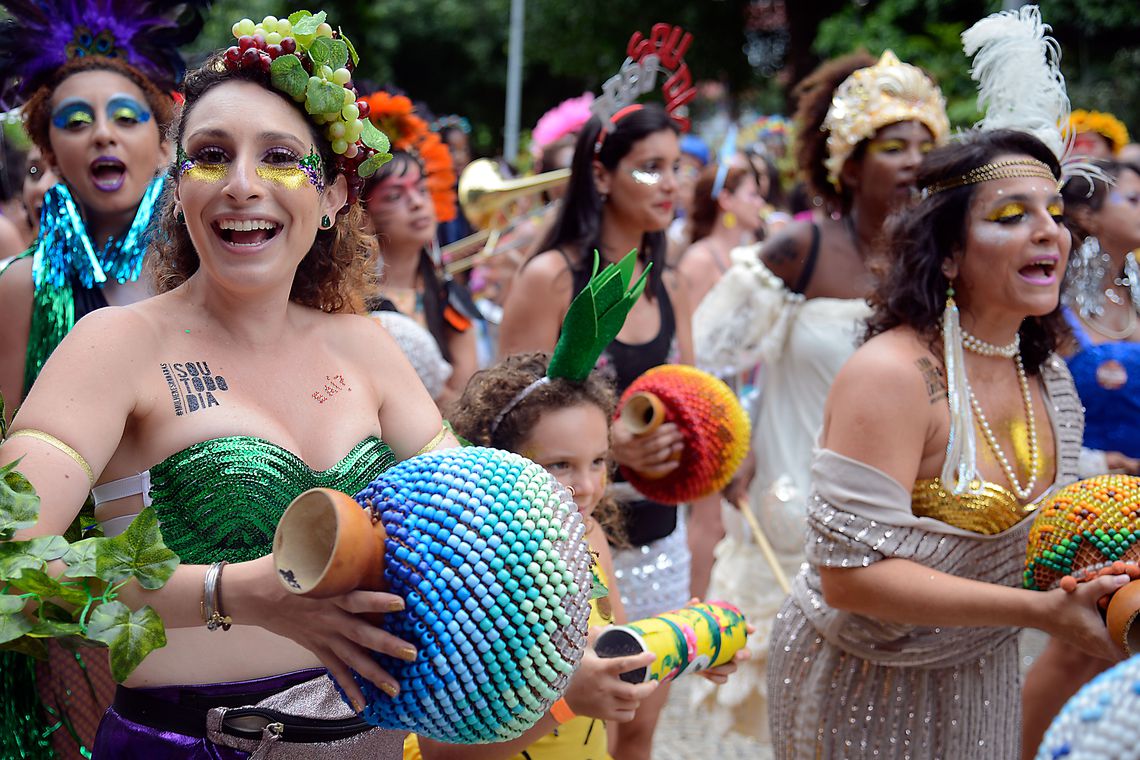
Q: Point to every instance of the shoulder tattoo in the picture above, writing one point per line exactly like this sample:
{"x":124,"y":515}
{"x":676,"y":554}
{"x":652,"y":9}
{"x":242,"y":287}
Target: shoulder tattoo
{"x":935,"y":379}
{"x":782,"y":251}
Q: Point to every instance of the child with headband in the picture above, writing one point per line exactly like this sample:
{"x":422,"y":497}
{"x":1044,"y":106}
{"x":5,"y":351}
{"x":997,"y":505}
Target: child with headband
{"x":556,"y":410}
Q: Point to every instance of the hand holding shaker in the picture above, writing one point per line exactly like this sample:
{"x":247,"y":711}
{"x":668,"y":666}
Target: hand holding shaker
{"x":688,"y":640}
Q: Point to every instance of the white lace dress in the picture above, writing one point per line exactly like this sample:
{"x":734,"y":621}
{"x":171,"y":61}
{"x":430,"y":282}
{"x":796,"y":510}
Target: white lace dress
{"x":751,"y":317}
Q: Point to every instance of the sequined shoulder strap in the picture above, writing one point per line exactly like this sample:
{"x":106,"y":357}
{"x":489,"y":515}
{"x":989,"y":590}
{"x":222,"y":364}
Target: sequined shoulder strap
{"x":1068,"y":417}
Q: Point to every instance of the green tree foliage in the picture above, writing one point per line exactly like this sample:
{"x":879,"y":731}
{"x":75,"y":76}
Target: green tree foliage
{"x":1098,"y":39}
{"x":451,"y":54}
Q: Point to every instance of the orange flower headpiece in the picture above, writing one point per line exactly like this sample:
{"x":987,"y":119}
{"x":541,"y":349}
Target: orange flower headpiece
{"x":394,"y":115}
{"x":1104,"y":124}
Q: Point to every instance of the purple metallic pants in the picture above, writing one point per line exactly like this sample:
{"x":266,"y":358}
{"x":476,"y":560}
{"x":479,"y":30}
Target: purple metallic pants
{"x":122,"y":739}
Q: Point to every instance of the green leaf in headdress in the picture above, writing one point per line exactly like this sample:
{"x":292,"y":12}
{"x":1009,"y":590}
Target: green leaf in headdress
{"x":595,"y":317}
{"x":288,"y":75}
{"x":13,"y":622}
{"x":323,"y":97}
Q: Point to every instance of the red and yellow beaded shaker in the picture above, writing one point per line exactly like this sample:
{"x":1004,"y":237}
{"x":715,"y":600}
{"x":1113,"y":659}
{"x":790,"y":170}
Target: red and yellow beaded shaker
{"x":687,"y":640}
{"x":715,"y":428}
{"x":1085,"y":530}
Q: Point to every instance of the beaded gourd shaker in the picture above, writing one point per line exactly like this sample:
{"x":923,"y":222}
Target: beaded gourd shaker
{"x":1084,"y":530}
{"x":715,"y":428}
{"x":1100,"y":721}
{"x":488,"y":552}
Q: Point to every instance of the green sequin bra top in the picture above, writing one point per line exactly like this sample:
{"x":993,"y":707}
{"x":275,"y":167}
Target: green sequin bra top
{"x":222,"y":499}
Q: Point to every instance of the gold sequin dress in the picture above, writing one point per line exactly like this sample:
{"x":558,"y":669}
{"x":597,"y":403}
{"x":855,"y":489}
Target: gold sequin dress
{"x":846,"y":686}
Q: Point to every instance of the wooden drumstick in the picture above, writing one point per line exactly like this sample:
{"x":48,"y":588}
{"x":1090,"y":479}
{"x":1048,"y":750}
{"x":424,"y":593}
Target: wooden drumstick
{"x":762,"y":541}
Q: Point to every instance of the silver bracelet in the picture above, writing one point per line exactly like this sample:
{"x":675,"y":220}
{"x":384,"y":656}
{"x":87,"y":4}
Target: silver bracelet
{"x":211,"y":608}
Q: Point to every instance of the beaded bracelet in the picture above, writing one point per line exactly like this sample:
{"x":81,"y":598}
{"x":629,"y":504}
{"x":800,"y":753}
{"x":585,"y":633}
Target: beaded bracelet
{"x":211,"y":606}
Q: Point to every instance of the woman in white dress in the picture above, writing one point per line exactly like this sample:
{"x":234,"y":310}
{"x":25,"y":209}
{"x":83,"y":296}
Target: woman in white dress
{"x":796,"y":305}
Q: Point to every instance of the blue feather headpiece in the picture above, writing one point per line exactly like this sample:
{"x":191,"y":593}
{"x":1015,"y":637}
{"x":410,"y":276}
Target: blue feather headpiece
{"x":42,"y":35}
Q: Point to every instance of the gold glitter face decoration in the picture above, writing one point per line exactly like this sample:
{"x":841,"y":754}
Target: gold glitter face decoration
{"x":289,"y":177}
{"x":887,"y":93}
{"x":309,"y":169}
{"x":199,"y":170}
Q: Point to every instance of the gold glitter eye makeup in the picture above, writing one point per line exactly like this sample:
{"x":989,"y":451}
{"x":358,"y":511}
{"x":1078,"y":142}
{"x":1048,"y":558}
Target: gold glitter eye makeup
{"x":1006,"y":213}
{"x":72,"y":114}
{"x":289,"y":177}
{"x":886,"y":146}
{"x":206,"y":165}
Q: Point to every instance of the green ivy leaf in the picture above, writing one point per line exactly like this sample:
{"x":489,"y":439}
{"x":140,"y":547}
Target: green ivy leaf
{"x":130,"y":635}
{"x":19,"y":505}
{"x":138,"y":552}
{"x":45,"y":587}
{"x":288,"y":75}
{"x":355,"y":62}
{"x":55,"y":629}
{"x":81,"y":558}
{"x":13,"y":622}
{"x":34,"y":554}
{"x":323,"y":97}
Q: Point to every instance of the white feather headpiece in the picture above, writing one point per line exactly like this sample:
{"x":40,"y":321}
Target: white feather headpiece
{"x":1020,"y":85}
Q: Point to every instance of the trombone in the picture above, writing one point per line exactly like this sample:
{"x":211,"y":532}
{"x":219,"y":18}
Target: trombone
{"x":484,"y":197}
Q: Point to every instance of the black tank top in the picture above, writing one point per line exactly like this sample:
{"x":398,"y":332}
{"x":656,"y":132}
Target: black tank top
{"x":644,"y":520}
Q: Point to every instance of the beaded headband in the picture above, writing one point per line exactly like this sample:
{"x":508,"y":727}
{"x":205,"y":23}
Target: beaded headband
{"x":592,"y":322}
{"x":662,"y":51}
{"x":1014,"y":167}
{"x":877,"y":96}
{"x":305,"y":58}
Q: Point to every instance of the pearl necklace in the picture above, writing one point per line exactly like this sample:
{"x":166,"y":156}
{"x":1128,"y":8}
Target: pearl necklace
{"x":1031,"y":420}
{"x":978,"y":346}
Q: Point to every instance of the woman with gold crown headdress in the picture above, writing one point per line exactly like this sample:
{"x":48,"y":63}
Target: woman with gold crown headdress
{"x":796,"y":303}
{"x":940,"y":437}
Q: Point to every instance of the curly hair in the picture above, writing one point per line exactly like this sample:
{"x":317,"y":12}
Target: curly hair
{"x":705,"y":209}
{"x":489,"y":391}
{"x":339,"y":273}
{"x":37,"y":111}
{"x":813,"y":97}
{"x":912,"y":292}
